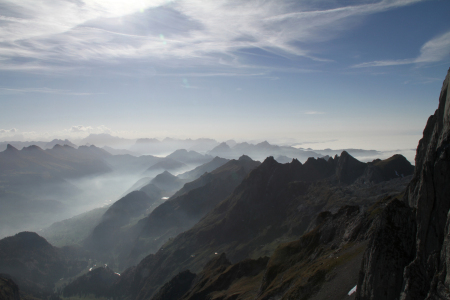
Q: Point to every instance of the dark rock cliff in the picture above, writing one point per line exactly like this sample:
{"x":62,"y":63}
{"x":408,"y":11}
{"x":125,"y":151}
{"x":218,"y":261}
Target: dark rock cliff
{"x":415,"y":259}
{"x":8,"y":288}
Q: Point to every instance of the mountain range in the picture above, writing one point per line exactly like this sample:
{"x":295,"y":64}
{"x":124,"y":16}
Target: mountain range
{"x":326,"y":228}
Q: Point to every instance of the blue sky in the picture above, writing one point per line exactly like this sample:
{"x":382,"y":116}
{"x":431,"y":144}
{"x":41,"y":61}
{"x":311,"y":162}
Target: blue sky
{"x":363,"y":74}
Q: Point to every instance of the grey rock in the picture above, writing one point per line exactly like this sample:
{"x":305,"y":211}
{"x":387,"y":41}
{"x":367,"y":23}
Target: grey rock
{"x":389,"y":269}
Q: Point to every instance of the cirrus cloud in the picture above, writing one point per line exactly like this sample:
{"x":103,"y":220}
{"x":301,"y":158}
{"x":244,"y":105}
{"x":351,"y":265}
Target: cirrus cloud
{"x":42,"y":33}
{"x":434,"y":50}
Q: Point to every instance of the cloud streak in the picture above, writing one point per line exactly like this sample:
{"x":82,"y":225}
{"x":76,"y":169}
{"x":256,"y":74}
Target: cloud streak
{"x":90,"y":129}
{"x":12,"y":130}
{"x":314,"y":112}
{"x":434,"y":50}
{"x":194,"y":32}
{"x":44,"y":91}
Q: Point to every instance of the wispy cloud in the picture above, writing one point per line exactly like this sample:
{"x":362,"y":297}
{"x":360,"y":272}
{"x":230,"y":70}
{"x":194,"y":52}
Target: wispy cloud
{"x":313,"y":112}
{"x":194,"y":32}
{"x":44,"y":91}
{"x":434,"y":50}
{"x":12,"y":130}
{"x":89,"y":129}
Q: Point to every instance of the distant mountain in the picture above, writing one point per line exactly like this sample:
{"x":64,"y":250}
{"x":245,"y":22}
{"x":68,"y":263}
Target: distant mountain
{"x":126,"y":163}
{"x":33,"y":171}
{"x":221,"y":150}
{"x":55,"y":142}
{"x":189,"y":157}
{"x":138,"y":185}
{"x":115,"y":151}
{"x":168,"y":145}
{"x":264,"y":149}
{"x":166,"y":164}
{"x":162,"y":185}
{"x":260,"y":151}
{"x":231,"y":143}
{"x":200,"y":170}
{"x":354,"y":152}
{"x":167,"y":182}
{"x":105,"y":139}
{"x":41,"y":144}
{"x":282,"y":159}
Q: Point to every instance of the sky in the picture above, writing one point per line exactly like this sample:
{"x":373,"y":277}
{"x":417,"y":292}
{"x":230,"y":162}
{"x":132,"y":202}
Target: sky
{"x":319,"y":73}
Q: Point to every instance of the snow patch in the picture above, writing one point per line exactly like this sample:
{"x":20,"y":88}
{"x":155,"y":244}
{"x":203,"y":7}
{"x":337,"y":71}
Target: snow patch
{"x":353,"y":290}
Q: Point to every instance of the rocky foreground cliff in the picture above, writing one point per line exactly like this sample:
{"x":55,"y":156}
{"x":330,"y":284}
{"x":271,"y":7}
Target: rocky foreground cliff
{"x":409,"y":254}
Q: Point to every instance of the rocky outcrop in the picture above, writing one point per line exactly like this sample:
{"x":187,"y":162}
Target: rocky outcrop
{"x":425,"y":273}
{"x":96,"y":282}
{"x":8,"y":288}
{"x":176,"y":287}
{"x":348,"y":169}
{"x":390,"y":249}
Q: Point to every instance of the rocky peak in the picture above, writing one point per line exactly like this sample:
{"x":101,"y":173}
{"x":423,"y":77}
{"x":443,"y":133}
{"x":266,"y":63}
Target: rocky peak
{"x":29,"y":240}
{"x":11,"y":148}
{"x":216,"y":262}
{"x":348,"y":168}
{"x":222,"y":146}
{"x":164,"y":176}
{"x":32,"y":148}
{"x":264,"y":144}
{"x":244,"y":158}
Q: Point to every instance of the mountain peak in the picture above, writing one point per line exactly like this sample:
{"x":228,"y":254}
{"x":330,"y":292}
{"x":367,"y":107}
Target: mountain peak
{"x":180,"y":151}
{"x":164,"y":176}
{"x":29,"y":239}
{"x":32,"y":148}
{"x":245,"y":158}
{"x":218,"y":261}
{"x":296,"y":162}
{"x":11,"y":149}
{"x":263,"y":144}
{"x":348,"y":168}
{"x":147,"y":140}
{"x":269,"y":160}
{"x":223,"y":145}
{"x":166,"y":173}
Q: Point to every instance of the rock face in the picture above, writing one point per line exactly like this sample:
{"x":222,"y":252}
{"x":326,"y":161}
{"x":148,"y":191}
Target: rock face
{"x":422,"y":225}
{"x":390,"y":249}
{"x":176,"y":287}
{"x":8,"y":288}
{"x":96,"y":282}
